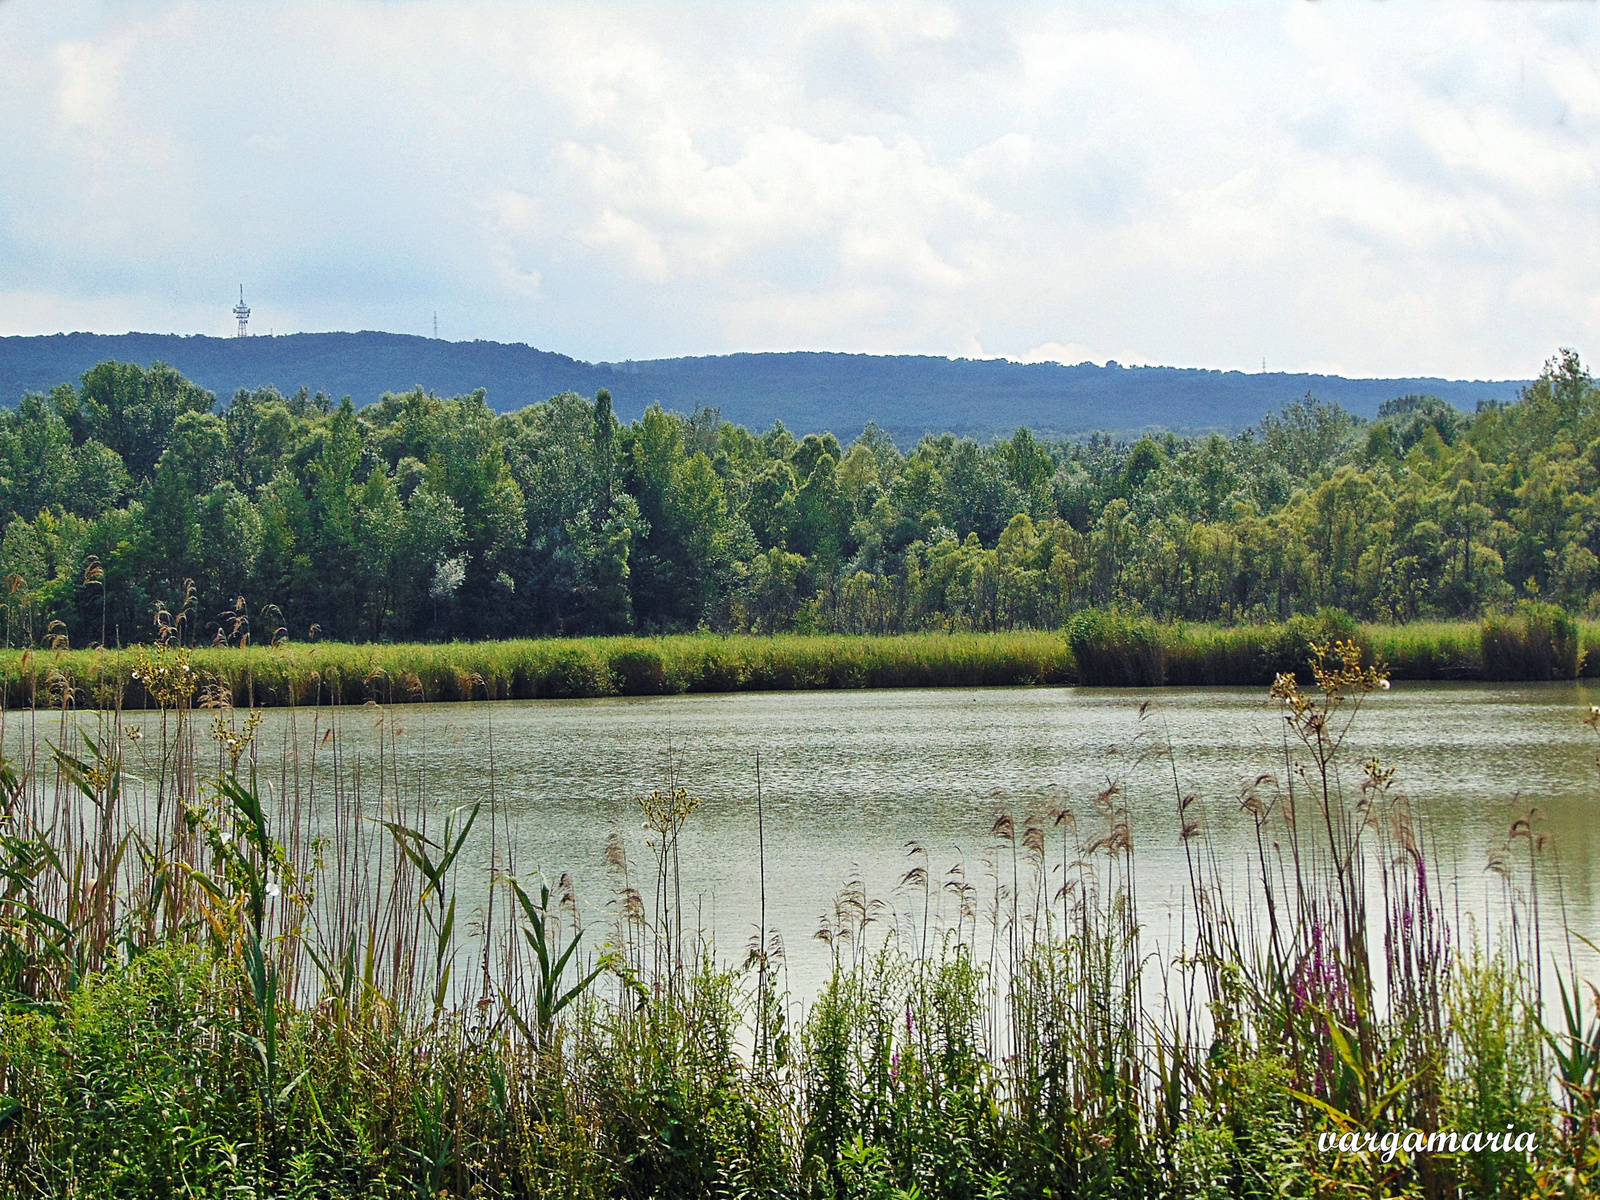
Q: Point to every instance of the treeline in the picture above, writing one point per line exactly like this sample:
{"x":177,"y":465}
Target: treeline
{"x":134,"y":494}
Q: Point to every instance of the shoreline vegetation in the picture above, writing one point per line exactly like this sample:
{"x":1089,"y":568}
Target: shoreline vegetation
{"x":135,"y":498}
{"x":213,"y":984}
{"x":1535,"y":642}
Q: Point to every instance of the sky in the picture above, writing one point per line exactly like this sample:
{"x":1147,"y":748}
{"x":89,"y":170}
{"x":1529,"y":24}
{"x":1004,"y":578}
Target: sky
{"x":1365,"y":189}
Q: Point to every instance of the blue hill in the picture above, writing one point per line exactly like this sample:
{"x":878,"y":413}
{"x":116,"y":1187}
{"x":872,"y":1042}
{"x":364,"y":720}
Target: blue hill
{"x":907,"y":395}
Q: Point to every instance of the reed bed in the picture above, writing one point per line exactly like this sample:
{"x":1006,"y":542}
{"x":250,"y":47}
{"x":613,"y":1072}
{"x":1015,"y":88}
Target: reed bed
{"x":1428,"y":649}
{"x":559,"y":668}
{"x":1536,"y":642}
{"x":219,"y":983}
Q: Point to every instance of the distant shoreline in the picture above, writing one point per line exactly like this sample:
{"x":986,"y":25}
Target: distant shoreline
{"x":1110,"y":651}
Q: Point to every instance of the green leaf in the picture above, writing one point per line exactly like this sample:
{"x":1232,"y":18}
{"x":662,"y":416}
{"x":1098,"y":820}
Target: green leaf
{"x":1341,"y":1117}
{"x":288,"y":1089}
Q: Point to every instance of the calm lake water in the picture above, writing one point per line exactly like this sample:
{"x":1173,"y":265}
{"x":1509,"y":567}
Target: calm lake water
{"x":849,"y":778}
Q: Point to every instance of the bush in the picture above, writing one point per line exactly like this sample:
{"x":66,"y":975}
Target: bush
{"x":1112,"y":649}
{"x":576,"y":674}
{"x":1537,"y":641}
{"x":640,"y":671}
{"x":1290,"y":650}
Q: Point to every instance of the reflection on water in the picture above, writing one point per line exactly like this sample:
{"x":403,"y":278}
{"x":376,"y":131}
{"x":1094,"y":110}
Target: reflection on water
{"x":849,"y":778}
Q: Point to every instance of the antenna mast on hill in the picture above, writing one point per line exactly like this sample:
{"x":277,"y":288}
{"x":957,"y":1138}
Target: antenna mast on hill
{"x":242,"y":313}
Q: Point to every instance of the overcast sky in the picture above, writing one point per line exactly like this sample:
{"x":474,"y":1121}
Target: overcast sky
{"x":1372,"y":189}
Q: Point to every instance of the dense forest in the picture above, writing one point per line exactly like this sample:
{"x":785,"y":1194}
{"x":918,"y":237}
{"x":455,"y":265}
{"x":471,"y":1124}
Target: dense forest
{"x":133,"y":495}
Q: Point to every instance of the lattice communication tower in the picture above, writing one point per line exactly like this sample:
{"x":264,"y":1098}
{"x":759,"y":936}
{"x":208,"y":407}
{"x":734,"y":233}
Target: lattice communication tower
{"x":242,"y":313}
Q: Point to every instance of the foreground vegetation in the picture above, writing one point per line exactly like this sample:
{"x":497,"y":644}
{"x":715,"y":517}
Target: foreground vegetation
{"x":217,"y":985}
{"x":426,"y":519}
{"x":1534,"y":642}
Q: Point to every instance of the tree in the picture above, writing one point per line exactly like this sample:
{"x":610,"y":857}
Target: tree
{"x":198,"y":449}
{"x":1563,"y":402}
{"x":1308,"y":435}
{"x":430,"y":566}
{"x":1028,"y":463}
{"x":229,"y":544}
{"x":772,"y":590}
{"x":169,"y":522}
{"x":131,"y":410}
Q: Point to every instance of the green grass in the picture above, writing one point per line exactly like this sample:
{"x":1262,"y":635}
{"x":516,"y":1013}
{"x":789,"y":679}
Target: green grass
{"x":1096,"y":649}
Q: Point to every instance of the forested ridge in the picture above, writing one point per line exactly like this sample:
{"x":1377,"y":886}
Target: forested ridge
{"x":134,"y":493}
{"x":908,"y":395}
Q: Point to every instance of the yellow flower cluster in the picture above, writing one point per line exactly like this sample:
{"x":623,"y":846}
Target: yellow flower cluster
{"x":1339,"y":675}
{"x":235,"y":741}
{"x":167,"y":674}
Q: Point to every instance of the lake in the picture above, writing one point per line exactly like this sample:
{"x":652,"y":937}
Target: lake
{"x":849,"y":778}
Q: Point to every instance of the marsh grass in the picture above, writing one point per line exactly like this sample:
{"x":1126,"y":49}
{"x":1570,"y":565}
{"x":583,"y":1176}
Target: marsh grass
{"x":1428,"y":649}
{"x":1097,"y":648}
{"x":221,"y":982}
{"x":336,"y":673}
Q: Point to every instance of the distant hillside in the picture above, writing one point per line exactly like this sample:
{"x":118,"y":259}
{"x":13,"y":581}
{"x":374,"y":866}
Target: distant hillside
{"x":907,"y":395}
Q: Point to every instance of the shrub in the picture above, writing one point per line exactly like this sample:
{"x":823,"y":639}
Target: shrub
{"x":1290,"y":649}
{"x":1113,"y":649}
{"x":1537,"y":641}
{"x":640,"y":670}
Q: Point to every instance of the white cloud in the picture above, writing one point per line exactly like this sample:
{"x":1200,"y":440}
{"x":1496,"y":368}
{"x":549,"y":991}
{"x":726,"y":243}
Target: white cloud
{"x":1397,"y":189}
{"x":86,"y":82}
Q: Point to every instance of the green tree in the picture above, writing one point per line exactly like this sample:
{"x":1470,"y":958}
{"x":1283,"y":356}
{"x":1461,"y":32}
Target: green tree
{"x":132,"y":410}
